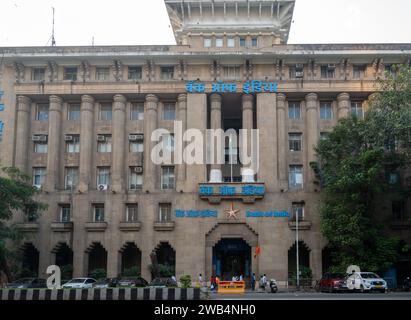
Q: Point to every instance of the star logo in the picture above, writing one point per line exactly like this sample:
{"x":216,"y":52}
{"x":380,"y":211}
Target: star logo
{"x":232,"y":213}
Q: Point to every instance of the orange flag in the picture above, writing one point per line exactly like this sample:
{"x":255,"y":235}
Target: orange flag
{"x":257,"y":251}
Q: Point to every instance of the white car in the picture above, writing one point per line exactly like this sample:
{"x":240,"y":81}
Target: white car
{"x":79,"y":283}
{"x":366,"y":282}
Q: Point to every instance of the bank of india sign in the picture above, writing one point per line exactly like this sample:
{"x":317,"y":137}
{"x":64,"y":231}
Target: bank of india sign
{"x":253,"y":86}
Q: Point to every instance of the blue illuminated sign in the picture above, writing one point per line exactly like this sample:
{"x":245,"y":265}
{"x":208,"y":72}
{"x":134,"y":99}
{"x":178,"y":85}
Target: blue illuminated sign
{"x":195,"y":213}
{"x":253,"y":86}
{"x":227,"y":190}
{"x":272,"y":214}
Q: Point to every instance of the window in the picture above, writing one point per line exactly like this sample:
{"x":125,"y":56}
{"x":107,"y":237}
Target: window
{"x":73,"y":113}
{"x":167,"y":73}
{"x":207,"y":43}
{"x":297,"y":210}
{"x":328,"y":71}
{"x":164,"y":213}
{"x":391,"y":70}
{"x":294,"y":111}
{"x":295,"y":177}
{"x":70,"y":178}
{"x":242,"y":42}
{"x":38,"y":74}
{"x":398,"y":210}
{"x":102,"y":73}
{"x":219,"y":42}
{"x":135,"y":73}
{"x":40,"y":147}
{"x":72,"y":143}
{"x":31,"y":215}
{"x":356,"y":109}
{"x":70,"y":73}
{"x":167,"y":178}
{"x":168,"y":142}
{"x":42,"y":112}
{"x":231,"y":72}
{"x":325,"y":110}
{"x":106,"y":112}
{"x":135,"y":179}
{"x":324,"y":135}
{"x":39,"y":175}
{"x":137,"y":111}
{"x":169,"y":112}
{"x":64,"y":213}
{"x":136,"y":146}
{"x":231,"y":155}
{"x":294,"y":141}
{"x":103,"y":176}
{"x":392,"y":176}
{"x":132,"y":213}
{"x":358,"y":71}
{"x":230,"y":42}
{"x":391,"y":144}
{"x":254,"y":42}
{"x":98,"y":212}
{"x":104,"y":143}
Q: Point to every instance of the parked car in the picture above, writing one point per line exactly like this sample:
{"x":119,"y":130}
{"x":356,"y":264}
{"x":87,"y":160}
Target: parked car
{"x":332,"y":282}
{"x":163,"y":283}
{"x":407,"y":284}
{"x":27,"y":283}
{"x":133,"y":282}
{"x":79,"y":283}
{"x":105,"y":283}
{"x":366,"y":282}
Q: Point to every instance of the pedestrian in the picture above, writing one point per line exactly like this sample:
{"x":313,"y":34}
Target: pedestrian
{"x":200,"y":280}
{"x":173,"y":277}
{"x":241,"y":277}
{"x":212,"y":283}
{"x":234,"y":278}
{"x":261,"y":284}
{"x":253,"y":282}
{"x":264,"y":280}
{"x":217,"y":281}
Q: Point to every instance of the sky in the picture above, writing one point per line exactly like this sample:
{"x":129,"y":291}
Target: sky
{"x":138,"y":22}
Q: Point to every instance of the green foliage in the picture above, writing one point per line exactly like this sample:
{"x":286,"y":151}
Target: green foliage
{"x":16,"y":194}
{"x":99,"y":273}
{"x":66,"y":272}
{"x":185,"y":281}
{"x":306,"y":275}
{"x":131,"y":272}
{"x":26,"y":273}
{"x":351,"y":165}
{"x":162,"y":270}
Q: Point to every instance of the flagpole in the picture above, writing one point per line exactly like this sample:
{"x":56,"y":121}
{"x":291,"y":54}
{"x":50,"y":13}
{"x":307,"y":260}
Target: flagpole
{"x":296,"y":239}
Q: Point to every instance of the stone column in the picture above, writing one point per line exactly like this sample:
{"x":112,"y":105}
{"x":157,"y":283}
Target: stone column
{"x":247,"y":107}
{"x":23,"y":132}
{"x":119,"y":132}
{"x":282,"y":140}
{"x":150,"y":124}
{"x":181,"y":116}
{"x":312,"y":135}
{"x":215,"y":123}
{"x":54,"y":139}
{"x":86,"y":142}
{"x":343,"y":105}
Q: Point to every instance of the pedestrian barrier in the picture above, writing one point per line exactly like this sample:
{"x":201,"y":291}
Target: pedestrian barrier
{"x":231,"y":287}
{"x":103,"y":294}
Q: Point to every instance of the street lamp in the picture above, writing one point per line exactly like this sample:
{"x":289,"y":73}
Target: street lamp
{"x":296,"y":242}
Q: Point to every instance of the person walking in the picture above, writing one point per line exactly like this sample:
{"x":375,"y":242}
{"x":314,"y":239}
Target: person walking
{"x":200,"y":280}
{"x":253,"y":282}
{"x":264,"y":281}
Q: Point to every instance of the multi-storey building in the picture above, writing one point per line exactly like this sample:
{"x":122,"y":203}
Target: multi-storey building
{"x":80,"y":119}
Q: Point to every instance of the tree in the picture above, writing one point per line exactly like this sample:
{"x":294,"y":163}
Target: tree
{"x":352,"y":160}
{"x":16,"y":194}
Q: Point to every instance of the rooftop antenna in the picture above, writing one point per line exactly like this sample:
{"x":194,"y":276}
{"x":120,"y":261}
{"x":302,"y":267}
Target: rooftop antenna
{"x":53,"y":40}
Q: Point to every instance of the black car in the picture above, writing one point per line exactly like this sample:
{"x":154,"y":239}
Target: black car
{"x":106,"y":283}
{"x":163,"y":283}
{"x":27,"y":283}
{"x":407,"y":284}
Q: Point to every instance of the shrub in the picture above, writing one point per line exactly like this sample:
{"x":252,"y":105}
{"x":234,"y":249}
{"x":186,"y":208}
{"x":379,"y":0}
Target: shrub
{"x":98,"y":273}
{"x":131,"y":272}
{"x":66,"y":271}
{"x":185,"y":281}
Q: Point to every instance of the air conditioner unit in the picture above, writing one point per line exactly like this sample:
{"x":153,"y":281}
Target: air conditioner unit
{"x":331,"y":66}
{"x":39,"y":137}
{"x":102,"y":187}
{"x":101,"y":138}
{"x":35,"y":138}
{"x":299,"y":67}
{"x":138,"y":169}
{"x":299,"y":74}
{"x":68,"y":138}
{"x":135,"y":137}
{"x":37,"y":186}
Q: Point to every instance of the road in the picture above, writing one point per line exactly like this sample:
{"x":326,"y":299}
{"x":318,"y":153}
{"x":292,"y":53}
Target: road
{"x":312,"y":296}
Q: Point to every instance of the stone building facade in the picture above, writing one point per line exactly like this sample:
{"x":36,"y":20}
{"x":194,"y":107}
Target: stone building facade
{"x":79,"y":120}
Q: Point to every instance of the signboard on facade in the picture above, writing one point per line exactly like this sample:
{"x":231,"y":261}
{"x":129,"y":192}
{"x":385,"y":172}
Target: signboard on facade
{"x":253,"y":86}
{"x":227,"y":190}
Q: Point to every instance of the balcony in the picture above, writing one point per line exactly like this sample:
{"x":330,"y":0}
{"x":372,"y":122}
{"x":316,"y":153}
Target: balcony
{"x":248,"y":192}
{"x":96,"y":226}
{"x":302,"y":225}
{"x":130,"y":226}
{"x":163,"y":225}
{"x":61,"y":226}
{"x":28,"y":226}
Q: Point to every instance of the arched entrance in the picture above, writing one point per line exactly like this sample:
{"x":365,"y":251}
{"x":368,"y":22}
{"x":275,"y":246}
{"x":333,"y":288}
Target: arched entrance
{"x":303,"y":257}
{"x":231,"y":257}
{"x":30,"y":261}
{"x":97,"y":257}
{"x":163,"y":261}
{"x":64,"y":259}
{"x":130,"y":259}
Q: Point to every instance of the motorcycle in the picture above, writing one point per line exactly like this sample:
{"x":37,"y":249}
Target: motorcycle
{"x":273,"y":286}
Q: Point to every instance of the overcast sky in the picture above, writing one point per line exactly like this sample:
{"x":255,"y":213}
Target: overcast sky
{"x":28,"y":22}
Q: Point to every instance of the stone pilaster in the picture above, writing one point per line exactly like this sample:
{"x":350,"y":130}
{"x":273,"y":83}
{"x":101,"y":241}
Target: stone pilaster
{"x":54,"y":140}
{"x":215,"y":123}
{"x":181,"y":116}
{"x":86,"y":142}
{"x":150,"y":124}
{"x":312,"y":136}
{"x":282,"y":140}
{"x":119,"y":132}
{"x":343,"y":105}
{"x":23,"y":132}
{"x":247,"y":109}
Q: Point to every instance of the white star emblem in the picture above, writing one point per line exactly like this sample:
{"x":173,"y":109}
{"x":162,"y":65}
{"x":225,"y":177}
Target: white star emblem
{"x":232,"y":213}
